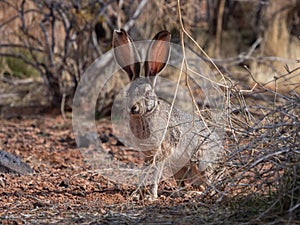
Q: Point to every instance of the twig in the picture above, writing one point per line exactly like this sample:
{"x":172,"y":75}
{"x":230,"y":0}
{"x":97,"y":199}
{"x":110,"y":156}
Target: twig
{"x":135,"y":16}
{"x":62,"y":106}
{"x":219,"y":27}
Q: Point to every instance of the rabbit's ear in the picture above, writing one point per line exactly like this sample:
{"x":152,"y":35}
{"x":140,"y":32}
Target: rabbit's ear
{"x":126,"y":54}
{"x":158,"y":53}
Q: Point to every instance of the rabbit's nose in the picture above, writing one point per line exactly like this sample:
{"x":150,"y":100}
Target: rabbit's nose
{"x":135,"y":109}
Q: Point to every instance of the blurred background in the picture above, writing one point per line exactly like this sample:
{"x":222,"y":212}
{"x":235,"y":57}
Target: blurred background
{"x":46,"y":46}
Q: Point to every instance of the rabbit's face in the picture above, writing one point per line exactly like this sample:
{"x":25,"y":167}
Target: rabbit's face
{"x":141,"y":98}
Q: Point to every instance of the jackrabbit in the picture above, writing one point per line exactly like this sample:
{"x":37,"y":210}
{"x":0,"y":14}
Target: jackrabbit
{"x":167,"y":135}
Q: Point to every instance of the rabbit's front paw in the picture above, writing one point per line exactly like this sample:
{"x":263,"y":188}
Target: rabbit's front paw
{"x":151,"y":197}
{"x":153,"y":194}
{"x":145,"y":194}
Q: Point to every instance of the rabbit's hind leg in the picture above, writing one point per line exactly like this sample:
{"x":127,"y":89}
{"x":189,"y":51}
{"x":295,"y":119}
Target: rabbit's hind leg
{"x":190,"y":175}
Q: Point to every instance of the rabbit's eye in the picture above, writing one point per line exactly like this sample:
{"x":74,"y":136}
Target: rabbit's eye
{"x":135,"y":109}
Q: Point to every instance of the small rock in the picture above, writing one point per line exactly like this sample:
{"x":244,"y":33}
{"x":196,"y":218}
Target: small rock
{"x":2,"y":182}
{"x":10,"y":163}
{"x":102,"y":211}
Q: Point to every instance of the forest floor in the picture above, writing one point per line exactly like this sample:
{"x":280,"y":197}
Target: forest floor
{"x":63,"y":190}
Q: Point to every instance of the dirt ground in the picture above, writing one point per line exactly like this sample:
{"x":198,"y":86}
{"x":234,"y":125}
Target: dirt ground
{"x":63,"y":190}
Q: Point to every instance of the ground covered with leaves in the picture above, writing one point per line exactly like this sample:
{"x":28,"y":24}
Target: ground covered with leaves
{"x":63,"y":190}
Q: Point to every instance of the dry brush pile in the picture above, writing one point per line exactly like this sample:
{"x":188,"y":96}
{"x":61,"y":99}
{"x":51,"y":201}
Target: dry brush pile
{"x":262,"y":177}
